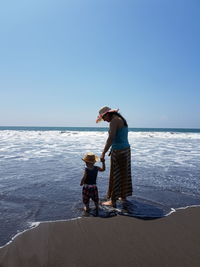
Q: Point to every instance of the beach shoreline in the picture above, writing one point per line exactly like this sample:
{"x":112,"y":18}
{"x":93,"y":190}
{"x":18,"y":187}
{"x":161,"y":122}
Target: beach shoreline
{"x":173,"y":240}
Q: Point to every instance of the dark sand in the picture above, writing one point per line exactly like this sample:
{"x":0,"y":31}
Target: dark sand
{"x":118,"y":241}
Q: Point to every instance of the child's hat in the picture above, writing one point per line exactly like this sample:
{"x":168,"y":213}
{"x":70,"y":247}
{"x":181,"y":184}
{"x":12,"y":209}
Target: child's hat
{"x":90,"y":157}
{"x":103,"y":111}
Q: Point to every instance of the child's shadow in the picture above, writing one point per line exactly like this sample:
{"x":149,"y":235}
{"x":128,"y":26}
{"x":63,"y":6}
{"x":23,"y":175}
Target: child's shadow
{"x":101,"y":212}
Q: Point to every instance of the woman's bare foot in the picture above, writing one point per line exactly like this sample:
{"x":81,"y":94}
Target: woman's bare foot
{"x":109,"y":203}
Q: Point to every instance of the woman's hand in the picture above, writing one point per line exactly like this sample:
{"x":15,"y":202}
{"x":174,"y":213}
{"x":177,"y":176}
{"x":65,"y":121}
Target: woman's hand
{"x":102,"y":158}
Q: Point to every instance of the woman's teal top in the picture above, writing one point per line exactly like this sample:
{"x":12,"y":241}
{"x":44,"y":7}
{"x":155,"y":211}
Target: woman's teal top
{"x":121,"y":139}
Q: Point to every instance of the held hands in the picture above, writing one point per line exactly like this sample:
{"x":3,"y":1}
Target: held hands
{"x":102,"y":158}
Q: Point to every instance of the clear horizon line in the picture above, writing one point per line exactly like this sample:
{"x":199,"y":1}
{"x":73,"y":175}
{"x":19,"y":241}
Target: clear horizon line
{"x":33,"y":126}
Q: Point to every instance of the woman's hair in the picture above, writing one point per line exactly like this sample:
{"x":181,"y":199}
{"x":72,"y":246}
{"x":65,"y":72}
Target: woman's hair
{"x":119,"y":115}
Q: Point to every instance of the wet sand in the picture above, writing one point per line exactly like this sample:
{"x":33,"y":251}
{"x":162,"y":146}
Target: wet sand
{"x":117,"y":241}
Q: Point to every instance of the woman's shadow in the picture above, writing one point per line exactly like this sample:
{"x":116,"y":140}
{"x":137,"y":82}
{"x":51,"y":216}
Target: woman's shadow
{"x":142,"y":209}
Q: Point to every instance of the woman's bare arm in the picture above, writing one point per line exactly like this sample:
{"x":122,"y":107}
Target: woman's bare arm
{"x":103,"y":166}
{"x":111,"y":136}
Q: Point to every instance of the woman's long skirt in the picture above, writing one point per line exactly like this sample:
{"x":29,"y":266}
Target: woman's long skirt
{"x":120,"y":183}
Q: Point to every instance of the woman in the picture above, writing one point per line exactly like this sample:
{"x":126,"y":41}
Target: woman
{"x":120,"y":183}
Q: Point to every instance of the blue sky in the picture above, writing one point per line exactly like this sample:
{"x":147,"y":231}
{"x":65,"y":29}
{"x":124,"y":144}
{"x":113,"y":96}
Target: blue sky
{"x":60,"y":61}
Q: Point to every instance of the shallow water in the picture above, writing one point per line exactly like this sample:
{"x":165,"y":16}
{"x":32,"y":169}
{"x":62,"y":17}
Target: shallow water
{"x":40,"y":172}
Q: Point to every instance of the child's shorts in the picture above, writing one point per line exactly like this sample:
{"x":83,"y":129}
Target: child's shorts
{"x":90,"y":191}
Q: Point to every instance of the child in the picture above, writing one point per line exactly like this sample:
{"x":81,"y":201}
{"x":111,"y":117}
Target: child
{"x":88,"y":181}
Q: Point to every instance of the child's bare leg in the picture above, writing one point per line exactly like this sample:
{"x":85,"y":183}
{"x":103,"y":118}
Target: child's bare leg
{"x":86,"y":207}
{"x":97,"y":207}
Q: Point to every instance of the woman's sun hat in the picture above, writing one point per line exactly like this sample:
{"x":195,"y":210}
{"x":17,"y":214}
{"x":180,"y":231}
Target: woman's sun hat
{"x":103,"y":111}
{"x":90,"y":157}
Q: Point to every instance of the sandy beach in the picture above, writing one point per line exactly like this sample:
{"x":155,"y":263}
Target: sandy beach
{"x":117,"y":241}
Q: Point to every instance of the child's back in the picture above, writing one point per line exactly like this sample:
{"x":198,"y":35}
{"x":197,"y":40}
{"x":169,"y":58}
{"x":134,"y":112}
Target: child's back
{"x":90,"y":190}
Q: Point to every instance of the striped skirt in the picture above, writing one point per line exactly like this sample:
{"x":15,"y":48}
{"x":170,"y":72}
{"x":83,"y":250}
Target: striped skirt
{"x":120,"y":184}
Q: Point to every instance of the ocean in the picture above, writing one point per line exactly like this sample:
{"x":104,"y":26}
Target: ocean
{"x":41,"y":169}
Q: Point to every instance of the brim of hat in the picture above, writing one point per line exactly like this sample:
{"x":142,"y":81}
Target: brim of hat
{"x":99,"y":118}
{"x":89,"y":161}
